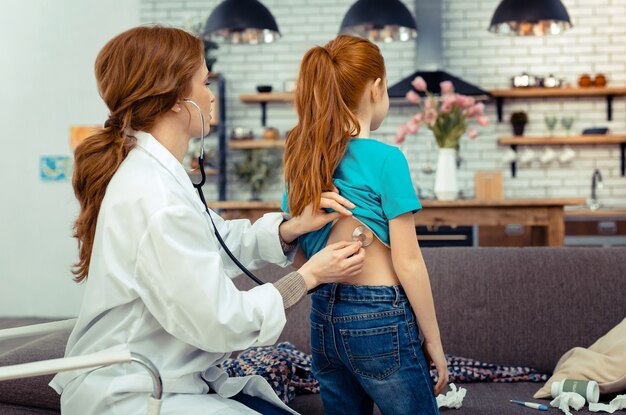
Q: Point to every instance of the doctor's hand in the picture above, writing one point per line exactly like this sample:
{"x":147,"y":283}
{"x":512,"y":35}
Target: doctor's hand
{"x":337,"y":262}
{"x":313,"y":219}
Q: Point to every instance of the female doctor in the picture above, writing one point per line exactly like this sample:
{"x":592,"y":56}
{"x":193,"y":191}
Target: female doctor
{"x":157,"y":280}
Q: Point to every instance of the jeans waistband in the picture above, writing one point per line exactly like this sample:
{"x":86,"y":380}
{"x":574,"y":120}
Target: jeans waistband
{"x":381,"y":293}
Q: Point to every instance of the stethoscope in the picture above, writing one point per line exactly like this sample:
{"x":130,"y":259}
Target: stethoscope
{"x":198,"y":187}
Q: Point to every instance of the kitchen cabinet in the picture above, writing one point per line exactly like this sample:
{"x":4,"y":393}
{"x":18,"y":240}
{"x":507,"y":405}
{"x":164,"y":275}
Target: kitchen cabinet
{"x":545,"y":217}
{"x":595,"y":228}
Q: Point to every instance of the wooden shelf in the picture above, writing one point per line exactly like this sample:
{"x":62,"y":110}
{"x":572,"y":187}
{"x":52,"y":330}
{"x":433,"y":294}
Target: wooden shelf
{"x":267,"y":97}
{"x":255,"y":144}
{"x":558,"y":92}
{"x":263,"y":98}
{"x":565,"y":92}
{"x":571,"y":140}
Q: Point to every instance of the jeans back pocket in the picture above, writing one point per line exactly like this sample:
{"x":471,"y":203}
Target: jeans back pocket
{"x":373,"y":352}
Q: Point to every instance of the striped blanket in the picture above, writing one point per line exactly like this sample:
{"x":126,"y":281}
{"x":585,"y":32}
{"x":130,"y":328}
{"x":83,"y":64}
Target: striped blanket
{"x":288,"y":370}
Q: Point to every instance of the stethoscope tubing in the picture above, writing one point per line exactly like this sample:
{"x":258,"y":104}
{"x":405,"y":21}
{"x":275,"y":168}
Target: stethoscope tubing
{"x":198,"y":187}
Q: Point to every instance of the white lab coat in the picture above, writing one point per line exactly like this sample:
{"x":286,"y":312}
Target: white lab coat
{"x":160,"y":283}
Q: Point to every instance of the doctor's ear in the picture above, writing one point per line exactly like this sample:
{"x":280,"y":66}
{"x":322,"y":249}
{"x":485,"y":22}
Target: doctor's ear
{"x":176,"y":107}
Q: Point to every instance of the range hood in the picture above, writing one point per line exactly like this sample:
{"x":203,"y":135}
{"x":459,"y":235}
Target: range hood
{"x":433,"y":79}
{"x":429,"y":56}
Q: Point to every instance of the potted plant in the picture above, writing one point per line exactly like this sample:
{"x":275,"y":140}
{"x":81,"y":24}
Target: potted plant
{"x":257,"y":169}
{"x":518,"y":121}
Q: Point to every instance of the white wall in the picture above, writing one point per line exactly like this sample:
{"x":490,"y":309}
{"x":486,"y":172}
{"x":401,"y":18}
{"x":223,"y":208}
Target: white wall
{"x":48,"y":50}
{"x":597,"y":43}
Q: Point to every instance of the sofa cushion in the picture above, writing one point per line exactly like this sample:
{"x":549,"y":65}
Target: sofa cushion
{"x":604,"y":361}
{"x":525,"y":306}
{"x":493,"y":399}
{"x":33,"y":392}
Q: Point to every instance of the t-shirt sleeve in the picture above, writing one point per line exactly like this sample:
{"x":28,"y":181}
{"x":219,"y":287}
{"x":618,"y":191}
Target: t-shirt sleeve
{"x":397,"y":191}
{"x":284,"y":204}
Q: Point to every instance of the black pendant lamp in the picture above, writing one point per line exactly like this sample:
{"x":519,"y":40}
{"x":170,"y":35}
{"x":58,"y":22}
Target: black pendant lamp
{"x":530,"y":18}
{"x":379,"y":20}
{"x":241,"y":21}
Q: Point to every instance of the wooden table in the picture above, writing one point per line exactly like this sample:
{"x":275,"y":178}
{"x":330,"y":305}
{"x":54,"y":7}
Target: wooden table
{"x":545,"y":217}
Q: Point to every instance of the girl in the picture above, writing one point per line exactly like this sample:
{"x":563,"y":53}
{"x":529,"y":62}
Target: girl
{"x":364,"y":338}
{"x":157,"y":281}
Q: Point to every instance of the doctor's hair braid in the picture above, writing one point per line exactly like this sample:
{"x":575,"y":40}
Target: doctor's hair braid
{"x":141,"y":74}
{"x":330,"y":85}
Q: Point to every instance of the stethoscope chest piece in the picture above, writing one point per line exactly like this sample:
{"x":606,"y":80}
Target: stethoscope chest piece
{"x":363,"y":234}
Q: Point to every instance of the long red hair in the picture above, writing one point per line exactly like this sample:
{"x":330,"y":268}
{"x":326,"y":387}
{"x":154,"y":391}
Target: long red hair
{"x":328,"y":92}
{"x":141,"y":73}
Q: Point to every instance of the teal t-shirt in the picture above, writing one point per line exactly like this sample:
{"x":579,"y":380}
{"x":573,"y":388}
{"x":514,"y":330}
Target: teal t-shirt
{"x":376,"y":178}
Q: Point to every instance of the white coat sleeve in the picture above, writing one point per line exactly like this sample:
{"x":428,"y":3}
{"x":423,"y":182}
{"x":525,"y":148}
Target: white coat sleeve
{"x":254,"y":245}
{"x":180,"y":278}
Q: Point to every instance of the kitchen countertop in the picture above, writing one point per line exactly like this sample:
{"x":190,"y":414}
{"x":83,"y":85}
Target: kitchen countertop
{"x":504,"y":202}
{"x":601,"y":213}
{"x":427,"y":203}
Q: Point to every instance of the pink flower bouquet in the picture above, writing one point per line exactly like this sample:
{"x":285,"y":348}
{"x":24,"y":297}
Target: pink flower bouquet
{"x":447,"y":116}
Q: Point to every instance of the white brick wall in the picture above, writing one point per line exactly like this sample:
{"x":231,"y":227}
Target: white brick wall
{"x":597,"y":43}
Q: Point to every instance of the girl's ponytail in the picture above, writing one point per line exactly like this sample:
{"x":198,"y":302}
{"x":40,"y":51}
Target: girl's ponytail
{"x":324,"y":119}
{"x":330,"y":85}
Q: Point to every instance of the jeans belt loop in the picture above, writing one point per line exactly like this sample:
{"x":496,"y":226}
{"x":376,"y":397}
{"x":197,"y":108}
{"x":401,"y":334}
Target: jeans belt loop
{"x":333,"y":293}
{"x":397,"y":299}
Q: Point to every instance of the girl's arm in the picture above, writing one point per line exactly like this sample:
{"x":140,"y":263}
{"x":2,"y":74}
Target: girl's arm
{"x":411,"y":270}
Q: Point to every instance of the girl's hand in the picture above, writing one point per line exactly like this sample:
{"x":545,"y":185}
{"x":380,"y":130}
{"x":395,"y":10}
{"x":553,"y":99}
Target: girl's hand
{"x":311,"y":220}
{"x":337,"y":262}
{"x":434,"y":353}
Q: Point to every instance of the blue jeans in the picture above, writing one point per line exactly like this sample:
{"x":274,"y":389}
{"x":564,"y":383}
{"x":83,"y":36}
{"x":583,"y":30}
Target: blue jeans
{"x":366,"y":348}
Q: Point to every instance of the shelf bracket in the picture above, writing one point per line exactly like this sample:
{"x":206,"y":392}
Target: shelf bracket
{"x":499,"y":104}
{"x":609,"y":107}
{"x":514,"y":163}
{"x":622,"y":147}
{"x":263,"y":113}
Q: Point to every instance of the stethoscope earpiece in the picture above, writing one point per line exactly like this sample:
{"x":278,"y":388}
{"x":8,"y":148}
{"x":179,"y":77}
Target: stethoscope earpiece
{"x":201,"y":156}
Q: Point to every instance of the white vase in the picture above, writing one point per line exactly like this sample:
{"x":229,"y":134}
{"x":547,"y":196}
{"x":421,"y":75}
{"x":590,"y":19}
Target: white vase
{"x":446,"y":186}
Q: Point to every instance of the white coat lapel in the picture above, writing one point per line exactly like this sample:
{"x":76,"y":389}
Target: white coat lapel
{"x":154,"y":148}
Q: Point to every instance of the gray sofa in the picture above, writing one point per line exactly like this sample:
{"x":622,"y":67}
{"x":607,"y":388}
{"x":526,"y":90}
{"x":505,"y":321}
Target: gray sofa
{"x":513,"y":306}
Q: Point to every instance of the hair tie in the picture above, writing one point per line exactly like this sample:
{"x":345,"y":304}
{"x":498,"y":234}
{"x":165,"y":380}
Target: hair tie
{"x":113,"y":122}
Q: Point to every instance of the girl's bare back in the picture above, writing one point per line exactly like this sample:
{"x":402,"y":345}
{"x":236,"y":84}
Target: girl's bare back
{"x":378,"y":266}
